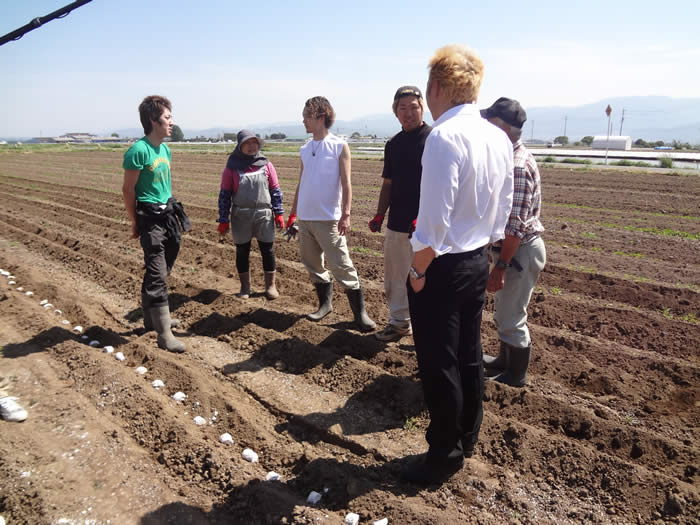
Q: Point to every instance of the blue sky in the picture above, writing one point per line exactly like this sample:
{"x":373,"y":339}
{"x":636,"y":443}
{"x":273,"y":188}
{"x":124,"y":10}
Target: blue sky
{"x":225,"y":63}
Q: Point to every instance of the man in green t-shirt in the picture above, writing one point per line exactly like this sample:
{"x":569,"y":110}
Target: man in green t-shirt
{"x":155,"y":216}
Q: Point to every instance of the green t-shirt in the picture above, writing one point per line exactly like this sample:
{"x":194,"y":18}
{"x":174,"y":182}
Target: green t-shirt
{"x":153,"y":184}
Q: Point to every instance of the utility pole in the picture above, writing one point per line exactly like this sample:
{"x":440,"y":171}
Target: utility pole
{"x":608,"y":111}
{"x":622,"y":119}
{"x":565,"y":119}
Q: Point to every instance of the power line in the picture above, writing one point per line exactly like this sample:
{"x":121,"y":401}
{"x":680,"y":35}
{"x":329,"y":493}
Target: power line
{"x":41,"y":20}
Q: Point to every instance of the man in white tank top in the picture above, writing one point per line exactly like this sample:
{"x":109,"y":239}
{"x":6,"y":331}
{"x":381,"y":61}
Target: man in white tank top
{"x":323,"y":199}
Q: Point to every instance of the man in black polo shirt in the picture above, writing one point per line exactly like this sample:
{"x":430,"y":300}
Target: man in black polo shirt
{"x":401,"y":192}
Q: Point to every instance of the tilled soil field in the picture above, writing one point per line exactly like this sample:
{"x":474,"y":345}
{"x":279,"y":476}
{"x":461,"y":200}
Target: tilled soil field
{"x":605,"y":432}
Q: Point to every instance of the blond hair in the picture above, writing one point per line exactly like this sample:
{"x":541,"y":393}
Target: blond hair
{"x":459,"y":71}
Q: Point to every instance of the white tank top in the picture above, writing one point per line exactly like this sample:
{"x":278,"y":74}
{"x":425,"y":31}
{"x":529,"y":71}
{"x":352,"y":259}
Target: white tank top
{"x":320,"y":191}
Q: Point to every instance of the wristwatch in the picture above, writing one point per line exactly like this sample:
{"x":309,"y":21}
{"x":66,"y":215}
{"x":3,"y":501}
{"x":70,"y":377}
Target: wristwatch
{"x":414,"y":273}
{"x":501,"y":264}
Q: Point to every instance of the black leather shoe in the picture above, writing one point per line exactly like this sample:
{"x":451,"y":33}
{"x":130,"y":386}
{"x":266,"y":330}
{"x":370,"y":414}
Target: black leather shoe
{"x":425,"y":472}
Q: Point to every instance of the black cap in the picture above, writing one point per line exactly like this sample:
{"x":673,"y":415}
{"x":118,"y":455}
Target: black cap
{"x":407,"y":91}
{"x":246,"y":134}
{"x":508,"y":110}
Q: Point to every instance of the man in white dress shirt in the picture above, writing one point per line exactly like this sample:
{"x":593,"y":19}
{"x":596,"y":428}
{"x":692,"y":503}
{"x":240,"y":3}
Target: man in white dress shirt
{"x":465,"y":199}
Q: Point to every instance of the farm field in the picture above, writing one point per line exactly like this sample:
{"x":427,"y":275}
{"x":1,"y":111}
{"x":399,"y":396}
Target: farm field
{"x":605,"y":432}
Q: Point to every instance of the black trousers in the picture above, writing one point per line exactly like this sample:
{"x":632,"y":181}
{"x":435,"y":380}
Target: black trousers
{"x":160,"y":248}
{"x":446,"y":319}
{"x":243,"y":256}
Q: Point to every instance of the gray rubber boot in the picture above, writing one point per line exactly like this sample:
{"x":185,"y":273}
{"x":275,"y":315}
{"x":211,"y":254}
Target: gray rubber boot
{"x":496,"y":364}
{"x":357,"y":304}
{"x":516,"y":371}
{"x":270,"y":289}
{"x":325,"y":301}
{"x":147,"y":323}
{"x":245,"y":285}
{"x":160,"y":314}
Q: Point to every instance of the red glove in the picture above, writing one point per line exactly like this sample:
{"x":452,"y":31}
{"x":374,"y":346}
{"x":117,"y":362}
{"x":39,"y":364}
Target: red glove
{"x":223,"y":228}
{"x":279,"y":221}
{"x":375,"y":225}
{"x":291,"y":220}
{"x":412,"y":228}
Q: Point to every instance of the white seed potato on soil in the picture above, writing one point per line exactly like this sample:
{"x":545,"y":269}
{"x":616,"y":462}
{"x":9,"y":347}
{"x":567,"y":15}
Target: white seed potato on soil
{"x":94,"y":343}
{"x":11,"y":277}
{"x":78,"y":329}
{"x":108,"y":349}
{"x":119,"y":356}
{"x":272,"y":476}
{"x":65,"y":321}
{"x":57,"y":311}
{"x":352,"y":519}
{"x":48,"y":305}
{"x":20,"y":289}
{"x":141,"y":370}
{"x":179,"y":396}
{"x":249,"y":455}
{"x":313,"y":497}
{"x":383,"y":521}
{"x":43,"y":302}
{"x":84,"y":338}
{"x":199,"y":420}
{"x":28,"y":292}
{"x":226,"y":438}
{"x":12,"y":282}
{"x":157,"y":384}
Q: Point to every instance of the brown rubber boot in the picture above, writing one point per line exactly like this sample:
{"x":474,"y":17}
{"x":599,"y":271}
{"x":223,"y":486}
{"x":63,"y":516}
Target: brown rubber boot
{"x":270,"y":289}
{"x":245,"y":285}
{"x":160,"y":315}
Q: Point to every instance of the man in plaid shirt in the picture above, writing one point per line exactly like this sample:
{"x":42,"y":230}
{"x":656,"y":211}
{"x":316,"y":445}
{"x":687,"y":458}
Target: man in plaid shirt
{"x":520,"y":257}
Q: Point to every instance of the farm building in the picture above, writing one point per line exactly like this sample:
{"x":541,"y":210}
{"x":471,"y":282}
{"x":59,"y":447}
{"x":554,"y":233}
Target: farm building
{"x":612,"y":142}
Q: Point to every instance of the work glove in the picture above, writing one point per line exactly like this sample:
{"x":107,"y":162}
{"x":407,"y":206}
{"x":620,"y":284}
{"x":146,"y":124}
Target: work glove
{"x":279,"y":221}
{"x":223,"y":228}
{"x":292,"y":228}
{"x":375,"y":225}
{"x":412,"y":228}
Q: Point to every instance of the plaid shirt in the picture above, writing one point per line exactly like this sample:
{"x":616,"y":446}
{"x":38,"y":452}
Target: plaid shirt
{"x":524,"y":221}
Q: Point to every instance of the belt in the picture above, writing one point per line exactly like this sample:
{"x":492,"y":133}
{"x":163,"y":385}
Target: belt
{"x":465,"y":255}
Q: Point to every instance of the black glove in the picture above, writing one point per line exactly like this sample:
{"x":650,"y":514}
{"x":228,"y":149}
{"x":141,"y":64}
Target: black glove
{"x":291,"y":232}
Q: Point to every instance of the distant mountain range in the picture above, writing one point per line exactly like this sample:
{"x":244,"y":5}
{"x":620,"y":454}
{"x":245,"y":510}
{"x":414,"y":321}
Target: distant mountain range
{"x":649,"y":118}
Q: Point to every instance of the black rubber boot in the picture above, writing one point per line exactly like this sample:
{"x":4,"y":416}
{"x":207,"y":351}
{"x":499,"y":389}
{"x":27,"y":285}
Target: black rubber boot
{"x":494,"y":365}
{"x":516,"y":371}
{"x":357,"y":304}
{"x":147,"y":323}
{"x":325,"y":301}
{"x":160,"y":315}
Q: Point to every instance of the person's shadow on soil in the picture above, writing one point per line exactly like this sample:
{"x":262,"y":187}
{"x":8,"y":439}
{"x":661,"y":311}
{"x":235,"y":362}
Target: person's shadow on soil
{"x":176,"y":300}
{"x":57,"y":335}
{"x":274,"y":501}
{"x":386,"y":403}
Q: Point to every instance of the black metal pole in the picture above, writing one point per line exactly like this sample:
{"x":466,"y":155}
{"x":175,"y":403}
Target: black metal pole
{"x":41,"y":20}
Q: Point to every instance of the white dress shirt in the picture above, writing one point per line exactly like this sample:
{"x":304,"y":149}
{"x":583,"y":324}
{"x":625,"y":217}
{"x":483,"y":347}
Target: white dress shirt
{"x":466,"y":191}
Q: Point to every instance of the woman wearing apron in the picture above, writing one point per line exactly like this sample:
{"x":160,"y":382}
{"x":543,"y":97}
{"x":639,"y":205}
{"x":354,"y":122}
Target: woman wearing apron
{"x":250,"y":201}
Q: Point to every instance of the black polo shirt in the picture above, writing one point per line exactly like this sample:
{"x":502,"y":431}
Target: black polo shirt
{"x":402,"y":164}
